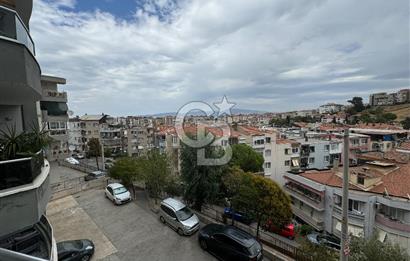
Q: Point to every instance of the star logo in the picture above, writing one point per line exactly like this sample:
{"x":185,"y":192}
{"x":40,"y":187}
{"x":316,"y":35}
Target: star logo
{"x":224,"y":107}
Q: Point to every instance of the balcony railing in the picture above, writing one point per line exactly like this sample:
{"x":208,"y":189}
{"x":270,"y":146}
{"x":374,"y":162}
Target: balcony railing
{"x":314,"y":202}
{"x":392,"y":223}
{"x":22,"y":171}
{"x":12,"y":28}
{"x":55,"y":94}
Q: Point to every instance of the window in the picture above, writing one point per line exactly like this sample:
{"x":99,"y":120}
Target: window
{"x":267,"y":139}
{"x":267,"y":165}
{"x":287,"y":162}
{"x":364,"y":141}
{"x":224,"y":143}
{"x":267,"y":153}
{"x":53,"y":125}
{"x":295,"y":150}
{"x":287,"y":151}
{"x":168,"y":211}
{"x":335,"y":146}
{"x":311,"y":160}
{"x":354,"y":205}
{"x":174,"y":139}
{"x":327,"y":158}
{"x":312,"y":148}
{"x":360,"y":180}
{"x":327,"y":147}
{"x":355,"y":141}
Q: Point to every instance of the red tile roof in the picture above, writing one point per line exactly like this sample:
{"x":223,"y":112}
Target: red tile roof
{"x":396,"y":181}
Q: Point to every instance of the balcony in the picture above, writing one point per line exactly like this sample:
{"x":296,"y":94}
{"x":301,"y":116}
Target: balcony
{"x":50,"y":95}
{"x":317,"y":223}
{"x":33,"y":243}
{"x":24,"y":192}
{"x":310,"y":200}
{"x":20,"y":72}
{"x":353,"y":215}
{"x":19,"y":172}
{"x":392,"y":223}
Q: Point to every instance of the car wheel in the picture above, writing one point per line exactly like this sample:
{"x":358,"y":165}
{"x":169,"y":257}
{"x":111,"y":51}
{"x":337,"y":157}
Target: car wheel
{"x":85,"y":258}
{"x":180,"y":232}
{"x":203,"y":244}
{"x":162,"y":219}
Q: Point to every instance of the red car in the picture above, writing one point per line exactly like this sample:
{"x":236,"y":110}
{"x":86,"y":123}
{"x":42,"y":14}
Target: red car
{"x":286,"y":231}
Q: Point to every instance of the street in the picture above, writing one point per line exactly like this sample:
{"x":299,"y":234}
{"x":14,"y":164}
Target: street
{"x":129,"y":232}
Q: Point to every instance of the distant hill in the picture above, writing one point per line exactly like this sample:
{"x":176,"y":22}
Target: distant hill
{"x":401,"y":110}
{"x":198,"y":113}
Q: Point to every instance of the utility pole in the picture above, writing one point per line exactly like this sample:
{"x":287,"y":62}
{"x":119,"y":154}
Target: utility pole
{"x":344,"y":250}
{"x":102,"y":155}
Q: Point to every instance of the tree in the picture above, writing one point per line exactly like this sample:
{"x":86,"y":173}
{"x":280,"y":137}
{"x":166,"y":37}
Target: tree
{"x":259,"y":197}
{"x":357,"y":103}
{"x":373,"y":250}
{"x":279,"y":122}
{"x":107,"y":152}
{"x":94,"y":149}
{"x":246,"y":158}
{"x":127,"y":170}
{"x":157,"y":172}
{"x":406,"y":123}
{"x":201,"y":182}
{"x":316,"y":252}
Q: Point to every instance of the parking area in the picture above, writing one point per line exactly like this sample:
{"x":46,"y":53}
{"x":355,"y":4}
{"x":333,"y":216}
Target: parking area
{"x":60,"y":173}
{"x":129,"y":232}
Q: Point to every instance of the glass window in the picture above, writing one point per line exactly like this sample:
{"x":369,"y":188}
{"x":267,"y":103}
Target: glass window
{"x":311,"y":160}
{"x":120,"y":190}
{"x":267,"y":165}
{"x":267,"y":153}
{"x":184,"y":214}
{"x":312,"y":148}
{"x":327,"y":147}
{"x":287,"y":162}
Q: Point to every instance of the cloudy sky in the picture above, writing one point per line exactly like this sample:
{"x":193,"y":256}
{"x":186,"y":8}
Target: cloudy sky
{"x":131,"y":57}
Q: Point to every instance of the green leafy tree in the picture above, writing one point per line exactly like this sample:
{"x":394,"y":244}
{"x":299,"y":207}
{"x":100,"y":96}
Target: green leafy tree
{"x":316,"y":252}
{"x":157,"y":173}
{"x":107,"y":152}
{"x":94,"y":149}
{"x":246,"y":158}
{"x":261,"y":198}
{"x":406,"y":123}
{"x":201,"y":182}
{"x":357,"y":103}
{"x":373,"y":250}
{"x":279,"y":122}
{"x":127,"y":170}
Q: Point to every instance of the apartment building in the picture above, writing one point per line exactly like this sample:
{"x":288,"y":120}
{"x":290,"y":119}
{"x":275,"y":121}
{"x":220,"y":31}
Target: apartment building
{"x":25,"y":232}
{"x":382,"y":139}
{"x":330,"y":108}
{"x":378,"y":198}
{"x":76,"y":139}
{"x":383,"y":98}
{"x":54,"y":116}
{"x":139,"y":140}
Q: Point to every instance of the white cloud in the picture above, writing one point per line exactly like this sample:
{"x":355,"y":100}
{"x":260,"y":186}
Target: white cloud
{"x":258,"y":53}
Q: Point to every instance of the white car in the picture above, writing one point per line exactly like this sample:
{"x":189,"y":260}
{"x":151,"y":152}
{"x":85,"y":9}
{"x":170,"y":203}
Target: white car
{"x":73,"y":161}
{"x":117,"y":193}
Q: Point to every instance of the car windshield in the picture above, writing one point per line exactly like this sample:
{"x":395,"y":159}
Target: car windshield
{"x":184,"y":214}
{"x":120,"y":190}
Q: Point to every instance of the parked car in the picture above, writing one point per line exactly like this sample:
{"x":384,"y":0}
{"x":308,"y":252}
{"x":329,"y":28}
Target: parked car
{"x":178,"y":216}
{"x":73,"y":161}
{"x":94,"y":175}
{"x":117,"y":193}
{"x":75,"y":250}
{"x":238,"y":216}
{"x":230,"y":243}
{"x":285,"y":231}
{"x":325,"y":239}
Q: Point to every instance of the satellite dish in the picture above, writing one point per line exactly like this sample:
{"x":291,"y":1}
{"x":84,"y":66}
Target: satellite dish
{"x":70,"y":113}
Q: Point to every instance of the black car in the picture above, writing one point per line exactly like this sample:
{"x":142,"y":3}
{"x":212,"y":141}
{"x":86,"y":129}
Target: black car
{"x":75,"y":250}
{"x":229,"y":243}
{"x":94,"y":175}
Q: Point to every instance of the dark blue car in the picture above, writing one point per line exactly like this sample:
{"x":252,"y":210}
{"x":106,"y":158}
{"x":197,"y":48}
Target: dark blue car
{"x":237,"y":216}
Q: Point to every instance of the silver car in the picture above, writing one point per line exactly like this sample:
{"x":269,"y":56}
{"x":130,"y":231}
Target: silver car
{"x":117,"y":193}
{"x":178,"y":216}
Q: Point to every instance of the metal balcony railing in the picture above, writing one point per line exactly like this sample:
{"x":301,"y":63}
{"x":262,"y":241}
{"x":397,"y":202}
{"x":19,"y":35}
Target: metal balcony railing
{"x":12,"y":28}
{"x":21,"y":171}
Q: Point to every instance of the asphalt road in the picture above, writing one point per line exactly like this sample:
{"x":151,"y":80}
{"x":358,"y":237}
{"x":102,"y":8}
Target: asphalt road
{"x":136,"y":232}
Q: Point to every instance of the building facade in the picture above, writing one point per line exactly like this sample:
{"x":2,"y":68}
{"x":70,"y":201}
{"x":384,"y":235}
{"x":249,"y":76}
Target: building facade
{"x":25,"y":232}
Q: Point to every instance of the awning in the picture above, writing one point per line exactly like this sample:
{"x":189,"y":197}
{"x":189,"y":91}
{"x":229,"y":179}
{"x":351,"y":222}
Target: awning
{"x":382,"y":235}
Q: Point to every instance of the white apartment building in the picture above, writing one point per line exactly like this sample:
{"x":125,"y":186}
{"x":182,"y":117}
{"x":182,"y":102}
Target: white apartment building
{"x":330,"y":108}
